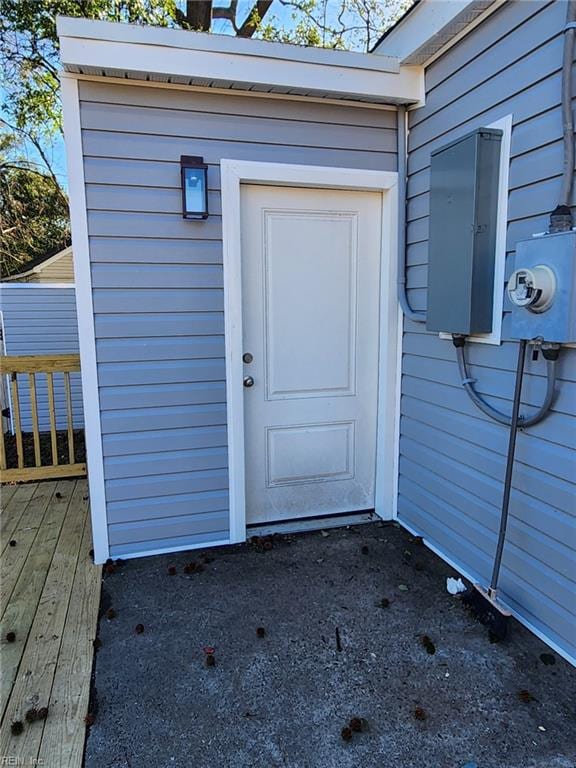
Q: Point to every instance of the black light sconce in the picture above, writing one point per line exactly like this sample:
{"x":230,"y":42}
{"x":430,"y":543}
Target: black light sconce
{"x":194,"y":175}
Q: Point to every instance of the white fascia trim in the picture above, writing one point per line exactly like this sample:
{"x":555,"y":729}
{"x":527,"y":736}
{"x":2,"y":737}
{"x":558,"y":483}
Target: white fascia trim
{"x":233,"y":174}
{"x":85,"y":313}
{"x":340,"y":76}
{"x":430,"y":19}
{"x":90,"y":29}
{"x":467,"y":29}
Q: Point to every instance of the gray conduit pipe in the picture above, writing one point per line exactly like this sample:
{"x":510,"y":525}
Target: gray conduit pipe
{"x":493,"y":413}
{"x":567,"y":117}
{"x":411,"y":314}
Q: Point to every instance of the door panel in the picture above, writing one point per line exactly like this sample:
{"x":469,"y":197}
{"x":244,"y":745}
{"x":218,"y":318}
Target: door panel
{"x":310,"y":345}
{"x":310,"y":453}
{"x":310,"y":302}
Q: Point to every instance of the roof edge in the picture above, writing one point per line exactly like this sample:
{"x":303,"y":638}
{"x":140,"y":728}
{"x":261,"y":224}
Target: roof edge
{"x":162,"y":55}
{"x":429,"y":26}
{"x":94,"y":29}
{"x":37,"y":265}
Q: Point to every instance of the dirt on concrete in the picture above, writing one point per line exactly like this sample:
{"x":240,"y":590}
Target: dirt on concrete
{"x":306,"y":633}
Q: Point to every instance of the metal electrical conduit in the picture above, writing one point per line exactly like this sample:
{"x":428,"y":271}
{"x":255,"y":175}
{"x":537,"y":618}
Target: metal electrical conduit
{"x":493,"y":413}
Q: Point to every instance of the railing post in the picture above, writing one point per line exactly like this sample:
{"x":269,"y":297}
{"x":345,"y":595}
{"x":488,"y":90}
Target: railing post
{"x":52,"y":413}
{"x":16,"y":418}
{"x":35,"y":425}
{"x":69,"y":417}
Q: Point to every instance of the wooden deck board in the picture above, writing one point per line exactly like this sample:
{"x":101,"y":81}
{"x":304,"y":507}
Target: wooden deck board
{"x":23,"y":603}
{"x":6,"y":493}
{"x":54,"y":601}
{"x":13,"y":506}
{"x":13,"y":558}
{"x":63,"y":738}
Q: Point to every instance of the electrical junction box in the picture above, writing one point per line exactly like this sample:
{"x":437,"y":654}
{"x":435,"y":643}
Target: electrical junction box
{"x":464,"y":179}
{"x":542,"y":288}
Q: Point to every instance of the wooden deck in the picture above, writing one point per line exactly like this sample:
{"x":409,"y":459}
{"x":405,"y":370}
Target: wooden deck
{"x":49,"y":597}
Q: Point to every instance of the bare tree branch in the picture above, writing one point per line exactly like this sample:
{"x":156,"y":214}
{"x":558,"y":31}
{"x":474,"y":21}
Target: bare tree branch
{"x":250,"y":25}
{"x":229,"y":13}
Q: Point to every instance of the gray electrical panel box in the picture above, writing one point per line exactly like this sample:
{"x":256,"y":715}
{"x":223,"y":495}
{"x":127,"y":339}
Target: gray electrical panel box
{"x":462,"y":240}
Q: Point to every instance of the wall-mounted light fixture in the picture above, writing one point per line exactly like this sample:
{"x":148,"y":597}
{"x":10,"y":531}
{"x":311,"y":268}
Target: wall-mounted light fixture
{"x":194,"y":175}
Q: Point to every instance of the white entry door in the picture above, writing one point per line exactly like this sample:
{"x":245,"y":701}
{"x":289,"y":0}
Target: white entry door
{"x":310,"y":304}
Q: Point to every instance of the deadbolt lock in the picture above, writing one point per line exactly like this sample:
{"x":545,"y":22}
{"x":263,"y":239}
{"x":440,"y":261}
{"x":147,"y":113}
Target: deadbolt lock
{"x":247,"y":357}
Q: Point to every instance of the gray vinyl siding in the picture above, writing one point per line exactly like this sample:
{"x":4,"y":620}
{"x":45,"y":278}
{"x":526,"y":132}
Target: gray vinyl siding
{"x":158,"y":291}
{"x":42,"y":321}
{"x":452,"y":457}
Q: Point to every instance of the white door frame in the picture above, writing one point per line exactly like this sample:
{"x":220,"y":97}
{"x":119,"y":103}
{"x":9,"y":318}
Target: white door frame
{"x":237,"y":172}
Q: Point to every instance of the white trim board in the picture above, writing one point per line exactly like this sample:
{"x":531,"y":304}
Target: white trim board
{"x":109,"y":31}
{"x":85,"y":314}
{"x":465,"y":31}
{"x":430,"y":27}
{"x":234,"y":173}
{"x":170,"y":55}
{"x":504,"y":124}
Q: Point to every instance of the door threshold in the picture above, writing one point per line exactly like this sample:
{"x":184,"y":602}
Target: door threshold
{"x":304,"y":524}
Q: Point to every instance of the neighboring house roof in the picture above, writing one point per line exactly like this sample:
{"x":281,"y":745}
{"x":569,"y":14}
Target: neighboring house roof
{"x":430,"y":25}
{"x":36,"y":266}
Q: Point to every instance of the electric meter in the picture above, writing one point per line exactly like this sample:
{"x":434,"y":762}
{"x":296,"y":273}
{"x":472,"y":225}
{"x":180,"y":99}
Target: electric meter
{"x":542,"y":288}
{"x":533,"y":288}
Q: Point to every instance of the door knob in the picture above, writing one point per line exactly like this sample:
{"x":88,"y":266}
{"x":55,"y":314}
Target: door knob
{"x":248,"y":381}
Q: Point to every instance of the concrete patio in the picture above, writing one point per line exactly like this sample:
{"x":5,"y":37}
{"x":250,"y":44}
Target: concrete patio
{"x":283,"y":699}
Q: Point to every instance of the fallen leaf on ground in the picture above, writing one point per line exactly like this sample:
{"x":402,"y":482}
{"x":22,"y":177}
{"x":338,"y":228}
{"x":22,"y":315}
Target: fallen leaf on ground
{"x":525,"y":696}
{"x":428,"y":644}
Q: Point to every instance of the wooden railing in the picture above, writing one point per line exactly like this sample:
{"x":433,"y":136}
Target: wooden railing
{"x":26,"y":368}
